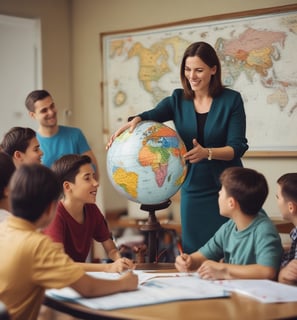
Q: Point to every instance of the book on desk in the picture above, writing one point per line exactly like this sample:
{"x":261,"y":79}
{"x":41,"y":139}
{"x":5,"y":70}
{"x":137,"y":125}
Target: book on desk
{"x":156,"y":288}
{"x":153,"y":288}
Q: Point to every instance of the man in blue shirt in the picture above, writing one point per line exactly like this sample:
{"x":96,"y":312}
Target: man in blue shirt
{"x":56,"y":140}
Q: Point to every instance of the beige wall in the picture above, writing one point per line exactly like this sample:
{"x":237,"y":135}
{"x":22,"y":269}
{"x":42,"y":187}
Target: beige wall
{"x":71,"y":30}
{"x":55,"y":16}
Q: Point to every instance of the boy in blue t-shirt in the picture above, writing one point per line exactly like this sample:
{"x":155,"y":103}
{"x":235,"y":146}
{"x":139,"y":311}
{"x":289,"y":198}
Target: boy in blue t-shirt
{"x":248,"y":246}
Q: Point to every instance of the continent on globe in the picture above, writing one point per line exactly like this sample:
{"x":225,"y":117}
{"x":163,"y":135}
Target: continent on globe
{"x":147,"y":166}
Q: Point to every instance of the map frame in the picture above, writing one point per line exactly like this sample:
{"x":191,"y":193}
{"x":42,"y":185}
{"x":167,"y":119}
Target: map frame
{"x":106,"y":37}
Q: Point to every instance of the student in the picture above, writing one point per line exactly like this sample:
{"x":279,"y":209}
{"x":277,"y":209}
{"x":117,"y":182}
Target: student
{"x":33,"y":262}
{"x":7,"y":168}
{"x":248,"y":246}
{"x":287,"y":202}
{"x":22,"y":145}
{"x":56,"y":140}
{"x":78,"y":220}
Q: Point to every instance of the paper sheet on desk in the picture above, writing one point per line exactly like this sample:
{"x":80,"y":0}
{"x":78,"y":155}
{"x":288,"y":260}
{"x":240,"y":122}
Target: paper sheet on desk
{"x":156,"y":288}
{"x":265,"y":291}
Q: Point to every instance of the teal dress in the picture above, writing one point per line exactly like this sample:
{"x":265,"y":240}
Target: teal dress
{"x":225,"y":126}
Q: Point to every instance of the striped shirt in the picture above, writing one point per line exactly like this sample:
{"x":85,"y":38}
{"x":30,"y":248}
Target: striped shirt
{"x":292,"y":253}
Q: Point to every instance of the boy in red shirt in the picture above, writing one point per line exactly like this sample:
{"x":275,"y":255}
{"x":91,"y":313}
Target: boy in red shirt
{"x":78,"y":220}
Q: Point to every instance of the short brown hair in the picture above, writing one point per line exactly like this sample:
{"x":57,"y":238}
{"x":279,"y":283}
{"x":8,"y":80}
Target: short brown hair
{"x":288,"y":184}
{"x":33,"y":187}
{"x":17,"y":139}
{"x":67,"y":167}
{"x":247,"y":186}
{"x":35,"y":96}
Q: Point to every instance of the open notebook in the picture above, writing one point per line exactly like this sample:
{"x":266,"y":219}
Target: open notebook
{"x":153,"y":288}
{"x":157,"y":288}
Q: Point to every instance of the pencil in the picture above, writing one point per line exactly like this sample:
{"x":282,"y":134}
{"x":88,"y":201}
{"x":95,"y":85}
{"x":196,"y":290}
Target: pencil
{"x":180,"y":248}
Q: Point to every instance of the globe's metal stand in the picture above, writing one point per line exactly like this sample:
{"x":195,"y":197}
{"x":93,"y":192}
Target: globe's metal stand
{"x":152,"y":226}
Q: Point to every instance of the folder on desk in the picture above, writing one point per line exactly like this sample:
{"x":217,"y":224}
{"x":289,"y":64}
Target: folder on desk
{"x":154,"y":288}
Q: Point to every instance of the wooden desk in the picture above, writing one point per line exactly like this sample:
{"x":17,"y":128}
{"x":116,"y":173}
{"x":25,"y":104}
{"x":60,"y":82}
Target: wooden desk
{"x":282,"y":226}
{"x":235,"y":307}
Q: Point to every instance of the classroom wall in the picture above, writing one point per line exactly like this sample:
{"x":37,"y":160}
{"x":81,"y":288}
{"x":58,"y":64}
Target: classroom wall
{"x":71,"y":61}
{"x":55,"y":16}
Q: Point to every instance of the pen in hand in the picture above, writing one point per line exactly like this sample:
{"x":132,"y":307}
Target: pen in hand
{"x":180,"y":249}
{"x":183,"y":264}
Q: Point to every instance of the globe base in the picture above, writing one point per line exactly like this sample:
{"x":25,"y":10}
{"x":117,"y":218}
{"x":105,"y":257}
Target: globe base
{"x":152,"y":226}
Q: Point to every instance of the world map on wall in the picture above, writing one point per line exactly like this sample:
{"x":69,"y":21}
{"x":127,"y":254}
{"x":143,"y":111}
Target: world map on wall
{"x":257,"y":56}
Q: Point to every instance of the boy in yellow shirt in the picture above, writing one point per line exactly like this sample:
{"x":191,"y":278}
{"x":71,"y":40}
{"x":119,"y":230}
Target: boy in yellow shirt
{"x":33,"y":262}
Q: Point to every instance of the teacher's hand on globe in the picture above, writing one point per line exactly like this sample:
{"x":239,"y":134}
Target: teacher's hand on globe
{"x":147,"y":165}
{"x":130,"y":124}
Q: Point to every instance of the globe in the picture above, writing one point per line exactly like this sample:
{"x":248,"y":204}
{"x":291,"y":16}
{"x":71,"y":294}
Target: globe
{"x":147,"y":165}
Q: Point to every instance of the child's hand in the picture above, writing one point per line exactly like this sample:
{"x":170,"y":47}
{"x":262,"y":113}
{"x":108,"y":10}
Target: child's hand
{"x":122,"y":264}
{"x":212,"y":270}
{"x":183,"y":262}
{"x":289,"y":272}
